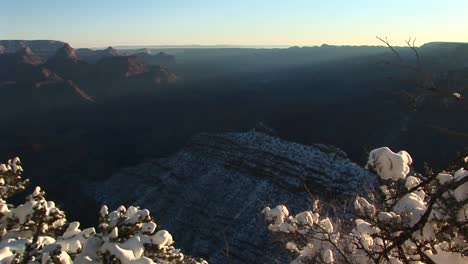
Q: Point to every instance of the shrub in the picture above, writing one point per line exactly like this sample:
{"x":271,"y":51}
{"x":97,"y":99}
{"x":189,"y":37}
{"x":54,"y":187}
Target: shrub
{"x":408,"y":218}
{"x":38,"y":232}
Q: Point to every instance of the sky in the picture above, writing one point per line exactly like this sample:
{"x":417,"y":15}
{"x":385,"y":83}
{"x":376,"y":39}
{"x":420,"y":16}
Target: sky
{"x":101,"y":23}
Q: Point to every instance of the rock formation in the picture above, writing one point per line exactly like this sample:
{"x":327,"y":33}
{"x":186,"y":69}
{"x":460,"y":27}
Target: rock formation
{"x":68,"y":64}
{"x":66,"y":53}
{"x":210,"y":193}
{"x":26,"y":56}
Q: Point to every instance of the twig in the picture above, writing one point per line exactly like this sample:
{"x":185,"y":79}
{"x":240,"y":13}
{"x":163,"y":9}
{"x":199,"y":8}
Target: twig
{"x":386,"y":42}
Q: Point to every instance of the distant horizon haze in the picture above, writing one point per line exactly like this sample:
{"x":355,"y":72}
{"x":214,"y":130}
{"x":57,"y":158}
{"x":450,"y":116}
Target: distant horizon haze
{"x":256,"y":23}
{"x":224,"y":46}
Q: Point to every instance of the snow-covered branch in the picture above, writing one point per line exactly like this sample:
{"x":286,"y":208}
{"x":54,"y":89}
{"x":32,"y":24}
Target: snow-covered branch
{"x":409,"y":218}
{"x":38,"y":232}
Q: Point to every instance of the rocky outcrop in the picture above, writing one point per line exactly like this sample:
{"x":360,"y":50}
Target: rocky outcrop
{"x":22,"y":66}
{"x":46,"y":77}
{"x":210,"y":194}
{"x":68,"y":64}
{"x":26,"y":55}
{"x":66,"y":53}
{"x":22,"y":56}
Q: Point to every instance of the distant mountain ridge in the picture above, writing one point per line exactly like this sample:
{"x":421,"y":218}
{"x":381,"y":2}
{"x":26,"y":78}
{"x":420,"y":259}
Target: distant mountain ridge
{"x":161,"y":58}
{"x":442,"y":43}
{"x":43,"y":48}
{"x":65,"y":74}
{"x":94,"y":56}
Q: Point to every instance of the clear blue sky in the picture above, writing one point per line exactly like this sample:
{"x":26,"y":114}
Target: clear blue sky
{"x":96,"y":23}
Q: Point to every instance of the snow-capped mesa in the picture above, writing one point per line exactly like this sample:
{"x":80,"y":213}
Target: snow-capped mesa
{"x":226,"y":180}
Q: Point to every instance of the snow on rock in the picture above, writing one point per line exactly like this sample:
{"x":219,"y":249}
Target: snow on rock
{"x":219,"y":184}
{"x":390,"y":165}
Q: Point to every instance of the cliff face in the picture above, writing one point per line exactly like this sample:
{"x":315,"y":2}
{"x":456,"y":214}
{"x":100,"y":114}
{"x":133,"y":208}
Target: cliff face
{"x":66,"y":53}
{"x":68,"y":64}
{"x":210,"y":194}
{"x":26,"y":56}
{"x":22,"y":66}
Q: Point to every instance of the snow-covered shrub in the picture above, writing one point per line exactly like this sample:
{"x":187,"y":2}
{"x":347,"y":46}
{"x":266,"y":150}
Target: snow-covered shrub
{"x":38,"y":232}
{"x":409,"y":218}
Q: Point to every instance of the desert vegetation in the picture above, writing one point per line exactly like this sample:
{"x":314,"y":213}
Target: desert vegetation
{"x":38,"y":232}
{"x":408,"y":218}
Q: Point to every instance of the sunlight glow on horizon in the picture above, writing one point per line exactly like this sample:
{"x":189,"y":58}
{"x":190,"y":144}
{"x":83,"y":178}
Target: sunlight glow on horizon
{"x":256,"y":22}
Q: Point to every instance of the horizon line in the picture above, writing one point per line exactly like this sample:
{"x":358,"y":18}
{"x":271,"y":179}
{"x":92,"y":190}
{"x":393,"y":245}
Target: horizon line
{"x":260,"y":46}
